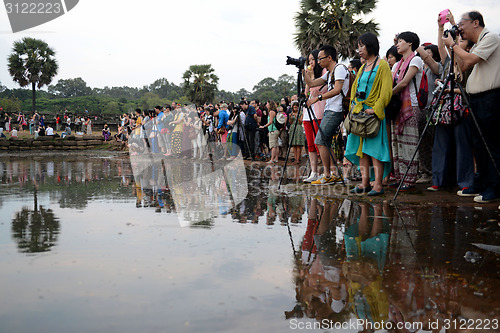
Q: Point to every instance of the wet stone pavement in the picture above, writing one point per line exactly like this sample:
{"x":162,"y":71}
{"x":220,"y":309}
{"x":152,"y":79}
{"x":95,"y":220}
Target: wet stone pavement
{"x":104,"y":242}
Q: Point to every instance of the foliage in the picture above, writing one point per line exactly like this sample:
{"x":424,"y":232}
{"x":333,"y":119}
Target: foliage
{"x":10,"y":104}
{"x":334,"y":22}
{"x":200,"y":83}
{"x":271,"y":89}
{"x":70,"y":88}
{"x":32,"y":62}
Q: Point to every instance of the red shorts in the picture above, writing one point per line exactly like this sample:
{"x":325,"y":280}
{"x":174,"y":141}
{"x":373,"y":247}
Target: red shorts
{"x":311,"y":134}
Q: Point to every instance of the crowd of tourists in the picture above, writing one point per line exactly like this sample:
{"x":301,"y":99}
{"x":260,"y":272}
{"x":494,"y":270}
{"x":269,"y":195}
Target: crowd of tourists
{"x":366,"y":118}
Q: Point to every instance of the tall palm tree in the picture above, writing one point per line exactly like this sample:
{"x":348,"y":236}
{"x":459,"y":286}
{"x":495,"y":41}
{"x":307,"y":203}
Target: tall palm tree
{"x":334,"y":22}
{"x":200,"y":83}
{"x":32,"y":62}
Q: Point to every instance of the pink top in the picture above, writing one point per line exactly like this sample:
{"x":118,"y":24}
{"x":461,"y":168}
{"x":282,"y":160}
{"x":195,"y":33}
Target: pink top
{"x":318,"y":107}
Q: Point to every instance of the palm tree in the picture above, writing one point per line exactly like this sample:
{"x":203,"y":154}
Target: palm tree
{"x":333,"y":22}
{"x":32,"y":61}
{"x":200,"y":83}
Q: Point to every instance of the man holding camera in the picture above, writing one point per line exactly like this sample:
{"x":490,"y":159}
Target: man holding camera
{"x":483,"y":87}
{"x":337,"y":80}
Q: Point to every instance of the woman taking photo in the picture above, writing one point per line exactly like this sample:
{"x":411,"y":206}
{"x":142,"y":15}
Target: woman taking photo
{"x":405,"y":132}
{"x":310,"y":125}
{"x":370,"y":93}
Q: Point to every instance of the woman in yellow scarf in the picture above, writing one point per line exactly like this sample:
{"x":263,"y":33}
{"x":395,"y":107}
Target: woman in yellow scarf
{"x":371,"y":92}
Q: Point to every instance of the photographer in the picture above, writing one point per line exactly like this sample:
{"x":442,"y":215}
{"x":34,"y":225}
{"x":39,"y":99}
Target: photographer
{"x":483,"y":86}
{"x":333,"y":116}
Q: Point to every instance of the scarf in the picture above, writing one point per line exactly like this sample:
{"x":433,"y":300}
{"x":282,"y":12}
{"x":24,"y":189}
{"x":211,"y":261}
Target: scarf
{"x":380,"y":93}
{"x":406,"y":108}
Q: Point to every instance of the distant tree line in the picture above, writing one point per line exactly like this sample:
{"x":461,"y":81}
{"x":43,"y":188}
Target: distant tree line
{"x":74,"y":95}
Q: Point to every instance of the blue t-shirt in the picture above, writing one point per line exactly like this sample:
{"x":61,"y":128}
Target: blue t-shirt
{"x":160,"y":122}
{"x":223,"y":118}
{"x":250,"y":121}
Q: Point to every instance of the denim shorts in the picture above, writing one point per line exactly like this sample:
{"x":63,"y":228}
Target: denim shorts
{"x":329,"y":126}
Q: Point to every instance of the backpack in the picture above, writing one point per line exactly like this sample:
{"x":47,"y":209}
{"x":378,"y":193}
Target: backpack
{"x":423,"y":91}
{"x":346,"y":99}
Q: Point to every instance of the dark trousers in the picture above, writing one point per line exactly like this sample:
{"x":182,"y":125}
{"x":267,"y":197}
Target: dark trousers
{"x":452,"y":146}
{"x":485,"y":107}
{"x":250,"y":132}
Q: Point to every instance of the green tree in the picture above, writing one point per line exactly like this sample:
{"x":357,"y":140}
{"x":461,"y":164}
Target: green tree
{"x":200,"y":83}
{"x":335,"y":22}
{"x":10,"y":104}
{"x":70,"y":88}
{"x":32,"y":62}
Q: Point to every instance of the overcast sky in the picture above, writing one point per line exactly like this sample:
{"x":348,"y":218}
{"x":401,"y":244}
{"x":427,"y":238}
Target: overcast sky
{"x":133,"y":43}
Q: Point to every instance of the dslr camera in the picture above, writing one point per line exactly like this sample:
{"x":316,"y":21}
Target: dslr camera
{"x":300,"y":62}
{"x":453,"y":31}
{"x":361,"y":94}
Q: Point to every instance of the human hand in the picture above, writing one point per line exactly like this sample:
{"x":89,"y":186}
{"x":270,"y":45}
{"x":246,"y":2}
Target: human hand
{"x":310,"y":102}
{"x":450,"y":17}
{"x":369,"y":111}
{"x":448,"y":40}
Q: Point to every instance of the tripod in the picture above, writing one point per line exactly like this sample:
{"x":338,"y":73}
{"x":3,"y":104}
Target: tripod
{"x":302,"y":102}
{"x":450,"y":79}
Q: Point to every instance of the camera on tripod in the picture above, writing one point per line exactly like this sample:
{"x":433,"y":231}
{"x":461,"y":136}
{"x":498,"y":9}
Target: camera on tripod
{"x":300,"y":62}
{"x":453,"y":31}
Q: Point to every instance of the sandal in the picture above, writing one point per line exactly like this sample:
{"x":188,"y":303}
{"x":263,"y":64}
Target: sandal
{"x":358,"y":190}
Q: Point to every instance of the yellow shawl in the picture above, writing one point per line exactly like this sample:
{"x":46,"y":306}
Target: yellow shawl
{"x":380,"y":93}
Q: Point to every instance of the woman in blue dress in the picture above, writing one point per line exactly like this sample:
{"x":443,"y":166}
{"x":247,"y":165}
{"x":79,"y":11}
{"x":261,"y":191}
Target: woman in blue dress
{"x":370,"y":93}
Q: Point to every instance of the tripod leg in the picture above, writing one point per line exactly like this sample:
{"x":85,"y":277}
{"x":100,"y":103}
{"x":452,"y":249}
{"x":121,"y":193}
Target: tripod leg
{"x":289,"y":148}
{"x":329,"y":149}
{"x":476,"y":123}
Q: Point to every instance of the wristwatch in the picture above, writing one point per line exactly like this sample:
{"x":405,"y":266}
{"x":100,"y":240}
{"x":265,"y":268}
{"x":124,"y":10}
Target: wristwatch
{"x":320,"y":97}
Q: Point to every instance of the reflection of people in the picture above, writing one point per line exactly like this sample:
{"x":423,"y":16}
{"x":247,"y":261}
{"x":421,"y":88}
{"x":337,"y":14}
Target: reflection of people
{"x":366,"y":243}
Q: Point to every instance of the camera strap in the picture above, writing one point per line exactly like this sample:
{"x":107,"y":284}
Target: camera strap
{"x":369,"y":76}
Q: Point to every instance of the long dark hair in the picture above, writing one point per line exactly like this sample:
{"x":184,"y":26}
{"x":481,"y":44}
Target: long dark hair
{"x":317,"y":68}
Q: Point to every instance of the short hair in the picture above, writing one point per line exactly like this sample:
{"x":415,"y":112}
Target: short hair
{"x":158,"y":107}
{"x":475,"y":15}
{"x":317,"y":68}
{"x":243,"y":102}
{"x":394,"y":51}
{"x":355,"y":63}
{"x":435,"y":52}
{"x":370,"y":41}
{"x":329,"y":51}
{"x":410,"y":37}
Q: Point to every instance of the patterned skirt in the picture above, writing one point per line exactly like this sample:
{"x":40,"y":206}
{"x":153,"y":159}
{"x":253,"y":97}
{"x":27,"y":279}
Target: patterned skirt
{"x":177,"y":142}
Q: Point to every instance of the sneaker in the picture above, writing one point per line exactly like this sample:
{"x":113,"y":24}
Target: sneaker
{"x":336,"y":179}
{"x":313,"y":177}
{"x":467,"y":192}
{"x":324,"y":181}
{"x":433,"y":188}
{"x":424,"y":179}
{"x":486,"y":196}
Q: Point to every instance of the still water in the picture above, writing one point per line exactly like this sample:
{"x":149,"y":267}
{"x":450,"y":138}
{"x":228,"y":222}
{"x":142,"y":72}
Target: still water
{"x":105,"y":243}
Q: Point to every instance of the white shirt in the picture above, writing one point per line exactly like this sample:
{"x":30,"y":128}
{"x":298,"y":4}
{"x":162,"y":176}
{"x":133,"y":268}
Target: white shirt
{"x":415,"y":62}
{"x":49,"y":131}
{"x":335,"y":103}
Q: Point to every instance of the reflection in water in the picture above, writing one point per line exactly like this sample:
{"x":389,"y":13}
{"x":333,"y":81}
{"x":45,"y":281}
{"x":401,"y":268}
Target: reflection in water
{"x":35,"y":230}
{"x":351,"y":260}
{"x":403,"y":265}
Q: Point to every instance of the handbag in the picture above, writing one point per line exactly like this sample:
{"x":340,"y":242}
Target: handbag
{"x":221,"y":131}
{"x":392,"y":109}
{"x":362,"y":124}
{"x":442,"y":115}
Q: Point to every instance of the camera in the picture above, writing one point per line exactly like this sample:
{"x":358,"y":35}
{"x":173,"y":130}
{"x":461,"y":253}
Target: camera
{"x":300,"y":62}
{"x":453,"y":31}
{"x":439,"y":86}
{"x":361,"y":94}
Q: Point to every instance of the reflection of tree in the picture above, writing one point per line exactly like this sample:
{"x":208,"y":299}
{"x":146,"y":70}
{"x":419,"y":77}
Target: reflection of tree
{"x":35,"y":230}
